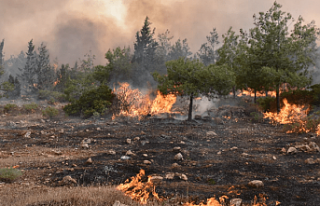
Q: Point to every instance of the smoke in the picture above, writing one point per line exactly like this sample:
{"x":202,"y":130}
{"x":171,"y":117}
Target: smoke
{"x":72,"y":28}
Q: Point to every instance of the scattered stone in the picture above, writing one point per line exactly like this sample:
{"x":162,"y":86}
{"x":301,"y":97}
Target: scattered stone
{"x":218,"y":120}
{"x":314,"y":147}
{"x":57,"y":152}
{"x":67,"y":180}
{"x":235,"y":202}
{"x":274,"y":157}
{"x":143,"y":142}
{"x":84,"y":146}
{"x":211,"y":134}
{"x":128,"y":141}
{"x":42,"y":121}
{"x":177,"y":149}
{"x":175,"y":165}
{"x":183,"y":177}
{"x":98,"y":129}
{"x":142,"y":133}
{"x":27,"y":134}
{"x":147,"y":162}
{"x":256,"y":184}
{"x":61,"y":131}
{"x":89,"y":161}
{"x":111,"y":152}
{"x":292,"y":150}
{"x":197,"y":117}
{"x":124,"y":157}
{"x":178,"y":157}
{"x":129,"y":153}
{"x":219,"y":153}
{"x":87,"y":141}
{"x":74,"y":165}
{"x":145,"y":155}
{"x":310,"y":161}
{"x":170,"y":176}
{"x":233,"y":148}
{"x":136,"y":138}
{"x":245,"y":154}
{"x":155,"y":178}
{"x":182,"y":142}
{"x":283,"y":150}
{"x":117,"y":203}
{"x":303,"y":147}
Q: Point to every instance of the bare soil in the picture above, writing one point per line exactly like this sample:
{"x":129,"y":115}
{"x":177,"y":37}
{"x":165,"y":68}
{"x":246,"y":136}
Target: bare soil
{"x":249,"y":151}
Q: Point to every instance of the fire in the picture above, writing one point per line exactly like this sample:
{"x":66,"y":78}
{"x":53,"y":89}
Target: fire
{"x":56,"y":82}
{"x":290,"y":114}
{"x":250,"y":93}
{"x":138,"y":190}
{"x":134,"y":104}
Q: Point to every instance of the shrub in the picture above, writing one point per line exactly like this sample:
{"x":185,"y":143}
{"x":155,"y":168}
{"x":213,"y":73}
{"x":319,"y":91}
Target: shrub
{"x":95,"y":100}
{"x":266,"y":102}
{"x":50,"y":112}
{"x":31,"y":107}
{"x":9,"y":107}
{"x":257,"y":116}
{"x":47,"y":94}
{"x":51,"y":101}
{"x":9,"y":174}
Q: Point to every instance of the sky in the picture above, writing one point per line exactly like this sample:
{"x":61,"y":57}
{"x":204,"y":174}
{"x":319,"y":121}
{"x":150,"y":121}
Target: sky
{"x":73,"y":28}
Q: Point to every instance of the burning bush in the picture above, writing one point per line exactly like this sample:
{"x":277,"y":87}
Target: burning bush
{"x":95,"y":100}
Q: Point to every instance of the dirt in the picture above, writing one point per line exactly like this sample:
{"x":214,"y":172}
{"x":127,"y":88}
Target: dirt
{"x":217,"y":165}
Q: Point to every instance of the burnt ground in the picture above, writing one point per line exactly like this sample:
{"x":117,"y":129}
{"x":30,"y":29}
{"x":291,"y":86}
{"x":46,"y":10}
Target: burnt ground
{"x":217,"y":165}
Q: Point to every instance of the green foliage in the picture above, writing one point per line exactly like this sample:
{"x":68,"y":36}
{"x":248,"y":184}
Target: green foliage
{"x":257,"y":116}
{"x":50,"y":112}
{"x":31,"y":107}
{"x":207,"y":53}
{"x":47,"y":94}
{"x":266,"y":102}
{"x":9,"y":174}
{"x":95,"y":100}
{"x":211,"y":182}
{"x":9,"y":107}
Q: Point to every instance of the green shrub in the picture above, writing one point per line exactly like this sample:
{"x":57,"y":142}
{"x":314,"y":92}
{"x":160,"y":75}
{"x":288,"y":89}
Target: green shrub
{"x":9,"y":174}
{"x":266,"y":102}
{"x":95,"y":100}
{"x":51,"y":101}
{"x":50,"y":112}
{"x":9,"y":107}
{"x":31,"y":107}
{"x":257,"y":116}
{"x":47,"y":94}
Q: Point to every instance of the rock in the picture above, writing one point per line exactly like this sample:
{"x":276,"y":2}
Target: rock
{"x":175,"y":165}
{"x":87,"y":141}
{"x":98,"y":129}
{"x":219,"y":153}
{"x":292,"y":150}
{"x":235,"y":202}
{"x":182,"y":142}
{"x":27,"y":134}
{"x":145,"y":155}
{"x":84,"y":146}
{"x":117,"y":203}
{"x":111,"y":152}
{"x":177,"y":149}
{"x":57,"y":152}
{"x":256,"y":184}
{"x":233,"y":148}
{"x":178,"y":157}
{"x":124,"y":157}
{"x":211,"y":134}
{"x":155,"y":178}
{"x":136,"y":138}
{"x":147,"y":162}
{"x":142,"y":133}
{"x":61,"y":131}
{"x":89,"y":161}
{"x":245,"y":154}
{"x":128,"y":141}
{"x":303,"y":147}
{"x":183,"y":177}
{"x":218,"y":120}
{"x":310,"y":161}
{"x":129,"y":153}
{"x":143,"y":142}
{"x":197,"y":117}
{"x":274,"y":157}
{"x":67,"y":180}
{"x":283,"y":150}
{"x":42,"y":121}
{"x":314,"y":147}
{"x":170,"y":176}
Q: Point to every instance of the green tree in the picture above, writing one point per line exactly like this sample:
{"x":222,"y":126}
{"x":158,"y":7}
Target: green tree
{"x":179,"y":49}
{"x":283,"y":55}
{"x":45,"y":72}
{"x":207,"y":52}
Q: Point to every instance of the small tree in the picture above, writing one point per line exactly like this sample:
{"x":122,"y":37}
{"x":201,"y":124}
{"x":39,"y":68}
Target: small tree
{"x":207,"y":52}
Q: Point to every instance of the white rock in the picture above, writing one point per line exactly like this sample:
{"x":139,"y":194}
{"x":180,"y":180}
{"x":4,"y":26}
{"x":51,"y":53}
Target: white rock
{"x":27,"y":134}
{"x":314,"y":147}
{"x":175,"y":165}
{"x":178,"y":157}
{"x":98,"y":129}
{"x":211,"y":133}
{"x":170,"y":176}
{"x":117,"y":203}
{"x":219,"y":153}
{"x":128,"y":141}
{"x":147,"y":162}
{"x":111,"y":152}
{"x":310,"y":161}
{"x":183,"y":177}
{"x":292,"y":150}
{"x":235,"y":202}
{"x":145,"y":155}
{"x":89,"y":161}
{"x":233,"y":148}
{"x":156,"y":178}
{"x":129,"y":153}
{"x":274,"y":157}
{"x":84,"y":146}
{"x":136,"y":138}
{"x":256,"y":184}
{"x":245,"y":154}
{"x":124,"y":157}
{"x":177,"y":149}
{"x":67,"y":180}
{"x":283,"y":150}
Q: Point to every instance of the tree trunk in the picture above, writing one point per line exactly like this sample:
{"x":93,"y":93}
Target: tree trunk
{"x":234,"y":92}
{"x":190,"y":107}
{"x":278,"y":98}
{"x":266,"y":93}
{"x":255,"y":96}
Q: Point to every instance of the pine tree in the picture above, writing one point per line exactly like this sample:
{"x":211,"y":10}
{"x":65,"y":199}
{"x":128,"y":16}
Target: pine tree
{"x":45,"y":73}
{"x":207,"y":52}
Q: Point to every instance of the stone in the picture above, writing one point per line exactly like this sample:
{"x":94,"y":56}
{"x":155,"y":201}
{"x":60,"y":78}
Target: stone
{"x":178,"y":157}
{"x":147,"y":162}
{"x":274,"y":157}
{"x":142,"y":133}
{"x":292,"y":150}
{"x":283,"y":150}
{"x":218,"y":120}
{"x":177,"y":149}
{"x":175,"y":165}
{"x":256,"y":184}
{"x":233,"y":148}
{"x":27,"y":134}
{"x":98,"y":129}
{"x":183,"y":177}
{"x":87,"y":141}
{"x":170,"y":176}
{"x":197,"y":117}
{"x":303,"y":147}
{"x":155,"y":178}
{"x":235,"y":202}
{"x":111,"y":152}
{"x":124,"y":157}
{"x":136,"y":138}
{"x":129,"y":153}
{"x":89,"y":161}
{"x":118,"y":203}
{"x":245,"y":154}
{"x":219,"y":153}
{"x":61,"y":131}
{"x":310,"y":161}
{"x":211,"y":134}
{"x":314,"y":147}
{"x":67,"y":180}
{"x":84,"y":146}
{"x":145,"y":155}
{"x":128,"y":141}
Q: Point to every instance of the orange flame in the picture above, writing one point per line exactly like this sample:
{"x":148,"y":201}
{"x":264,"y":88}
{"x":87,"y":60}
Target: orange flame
{"x":290,"y":114}
{"x":134,"y":104}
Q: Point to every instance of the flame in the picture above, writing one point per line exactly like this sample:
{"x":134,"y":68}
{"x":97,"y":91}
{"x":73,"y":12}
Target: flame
{"x":290,"y":114}
{"x":250,"y":93}
{"x":56,"y":82}
{"x":138,"y":190}
{"x":134,"y":104}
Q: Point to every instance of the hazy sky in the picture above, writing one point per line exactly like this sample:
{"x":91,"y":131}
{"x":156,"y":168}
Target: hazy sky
{"x":71,"y":28}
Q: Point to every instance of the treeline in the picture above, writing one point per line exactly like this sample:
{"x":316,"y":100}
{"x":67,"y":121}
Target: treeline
{"x":262,"y":59}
